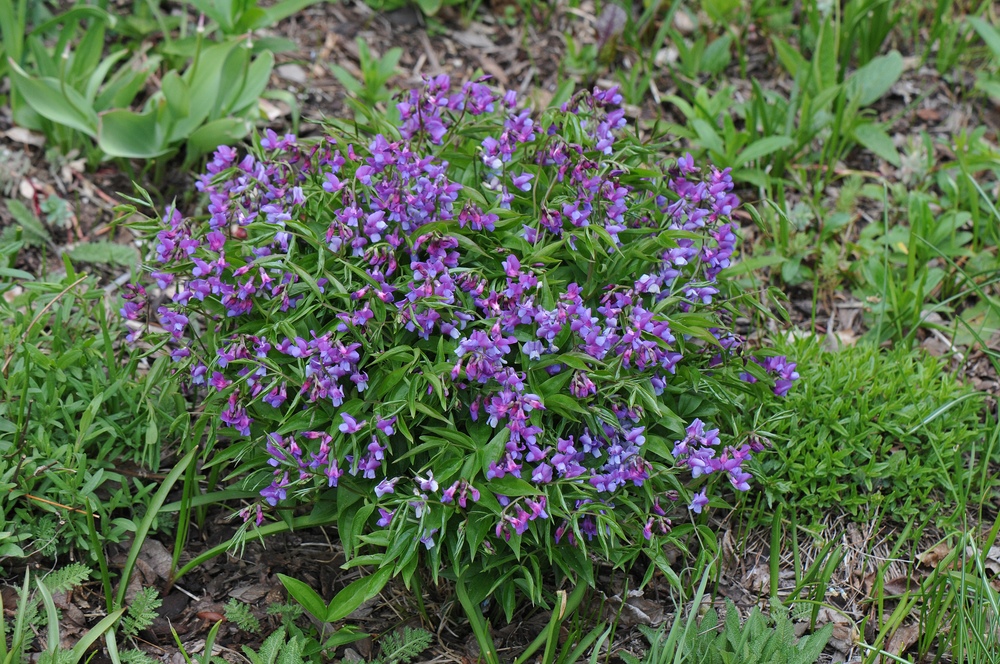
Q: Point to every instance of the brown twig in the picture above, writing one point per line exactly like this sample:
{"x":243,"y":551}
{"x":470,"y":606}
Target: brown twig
{"x":55,"y":504}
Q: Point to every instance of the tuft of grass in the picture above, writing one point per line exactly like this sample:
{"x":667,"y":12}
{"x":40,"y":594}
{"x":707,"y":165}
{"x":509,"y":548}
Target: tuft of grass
{"x":867,"y":429}
{"x":759,"y":639}
{"x":72,"y":415}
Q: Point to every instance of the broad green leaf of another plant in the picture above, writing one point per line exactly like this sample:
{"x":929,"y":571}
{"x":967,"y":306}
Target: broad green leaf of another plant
{"x":870,"y":83}
{"x":280,"y":10}
{"x":988,"y":33}
{"x":990,"y":86}
{"x":873,"y":137}
{"x":55,"y":101}
{"x":304,"y":595}
{"x":208,"y":137}
{"x":125,"y":133}
{"x":357,"y":593}
{"x":105,"y":252}
{"x":761,"y":148}
{"x":127,"y":82}
{"x":429,"y":7}
{"x":253,"y":84}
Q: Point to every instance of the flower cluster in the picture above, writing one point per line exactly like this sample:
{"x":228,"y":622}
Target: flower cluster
{"x":481,"y":315}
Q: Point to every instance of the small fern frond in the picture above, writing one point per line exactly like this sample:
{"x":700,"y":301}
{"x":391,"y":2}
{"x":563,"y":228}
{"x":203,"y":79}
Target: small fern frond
{"x":402,"y":647}
{"x":67,"y":578}
{"x":240,"y":613}
{"x":141,"y":613}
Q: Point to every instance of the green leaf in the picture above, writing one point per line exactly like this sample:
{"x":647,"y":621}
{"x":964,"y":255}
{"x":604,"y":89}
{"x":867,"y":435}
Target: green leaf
{"x":761,"y":148}
{"x":509,"y":485}
{"x":52,"y":617}
{"x":347,"y":80}
{"x":126,"y":83}
{"x":988,"y":33}
{"x":990,"y":86}
{"x":203,"y":80}
{"x":790,"y":59}
{"x":357,"y":593}
{"x":76,"y":15}
{"x":717,"y":55}
{"x":125,"y":133}
{"x":870,"y":83}
{"x":282,"y":10}
{"x":874,"y":138}
{"x":11,"y":273}
{"x":231,"y":79}
{"x":93,"y":634}
{"x":99,"y":73}
{"x":177,"y":94}
{"x":87,"y":55}
{"x":12,"y":26}
{"x":152,"y":511}
{"x":223,"y":15}
{"x":27,"y":219}
{"x":708,"y":136}
{"x":824,"y":58}
{"x":224,"y":131}
{"x":304,"y":595}
{"x":256,"y":81}
{"x":56,"y":102}
{"x":111,"y":253}
{"x":429,"y":7}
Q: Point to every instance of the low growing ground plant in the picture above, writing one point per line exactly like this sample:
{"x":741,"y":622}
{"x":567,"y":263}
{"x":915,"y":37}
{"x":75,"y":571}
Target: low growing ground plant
{"x":871,"y":429}
{"x":758,"y":640}
{"x":72,"y":416}
{"x":484,"y":342}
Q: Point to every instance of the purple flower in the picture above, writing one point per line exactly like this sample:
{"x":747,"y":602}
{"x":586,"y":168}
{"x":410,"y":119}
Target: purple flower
{"x":276,"y":491}
{"x":428,"y":483}
{"x":350,"y":425}
{"x":386,"y":486}
{"x":523,"y":181}
{"x":386,"y":426}
{"x":699,"y":501}
{"x":428,"y":539}
{"x":333,"y":473}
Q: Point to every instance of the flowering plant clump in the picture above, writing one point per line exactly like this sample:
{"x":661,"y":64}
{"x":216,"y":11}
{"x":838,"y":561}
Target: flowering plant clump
{"x":497,"y":334}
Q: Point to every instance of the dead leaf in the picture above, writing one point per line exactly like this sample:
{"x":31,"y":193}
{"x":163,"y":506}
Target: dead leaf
{"x":728,"y":549}
{"x":9,"y":597}
{"x":931,"y":557}
{"x":895,"y":586}
{"x":272,"y":111}
{"x":758,"y":579}
{"x":249,"y":593}
{"x":26,"y":136}
{"x":157,"y":558}
{"x":839,"y":340}
{"x":474,"y":40}
{"x":292,"y":72}
{"x":27,"y":189}
{"x":845,"y":633}
{"x":901,"y":639}
{"x":991,"y":561}
{"x":683,"y":23}
{"x":899,"y":585}
{"x":928,"y":114}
